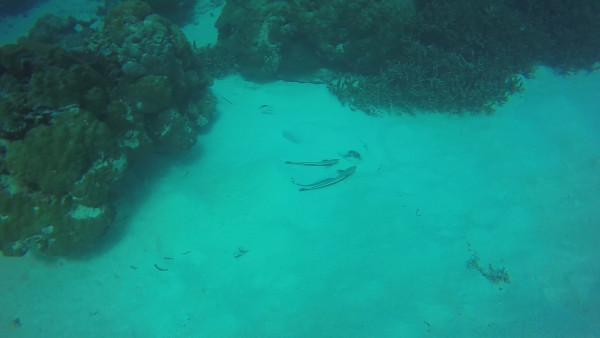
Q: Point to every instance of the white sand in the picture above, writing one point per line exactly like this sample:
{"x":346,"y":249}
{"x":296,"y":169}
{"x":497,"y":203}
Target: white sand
{"x":381,"y":254}
{"x":354,"y":259}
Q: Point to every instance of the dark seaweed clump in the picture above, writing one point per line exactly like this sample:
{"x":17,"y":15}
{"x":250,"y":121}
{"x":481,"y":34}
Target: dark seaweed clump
{"x":494,"y":275}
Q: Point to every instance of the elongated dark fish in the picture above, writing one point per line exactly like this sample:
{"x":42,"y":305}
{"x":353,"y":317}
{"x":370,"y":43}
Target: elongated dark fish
{"x":325,"y":163}
{"x":342,"y":174}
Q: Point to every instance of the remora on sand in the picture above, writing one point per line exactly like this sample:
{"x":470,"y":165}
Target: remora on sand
{"x":342,"y":174}
{"x":313,"y":163}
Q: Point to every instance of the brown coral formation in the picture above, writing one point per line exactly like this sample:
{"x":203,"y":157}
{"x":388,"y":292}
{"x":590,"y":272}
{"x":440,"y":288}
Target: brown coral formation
{"x":75,"y":118}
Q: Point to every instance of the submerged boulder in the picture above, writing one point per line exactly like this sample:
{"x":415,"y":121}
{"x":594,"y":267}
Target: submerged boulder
{"x":75,"y":116}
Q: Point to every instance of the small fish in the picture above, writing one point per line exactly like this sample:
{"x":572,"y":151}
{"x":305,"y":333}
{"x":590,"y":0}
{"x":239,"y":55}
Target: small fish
{"x":342,"y":174}
{"x":326,"y":163}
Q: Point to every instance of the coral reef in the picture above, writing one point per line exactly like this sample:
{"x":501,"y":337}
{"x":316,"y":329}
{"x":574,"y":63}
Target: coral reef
{"x":78,"y":106}
{"x":280,"y":38}
{"x":421,"y":55}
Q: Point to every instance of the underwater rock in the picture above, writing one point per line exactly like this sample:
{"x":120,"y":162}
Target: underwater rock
{"x":150,"y":94}
{"x":51,"y":158}
{"x":290,"y":39}
{"x":74,"y":119}
{"x":410,"y":55}
{"x":179,"y":12}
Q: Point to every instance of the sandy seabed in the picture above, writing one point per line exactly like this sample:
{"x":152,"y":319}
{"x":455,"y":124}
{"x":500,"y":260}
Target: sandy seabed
{"x":383,"y":253}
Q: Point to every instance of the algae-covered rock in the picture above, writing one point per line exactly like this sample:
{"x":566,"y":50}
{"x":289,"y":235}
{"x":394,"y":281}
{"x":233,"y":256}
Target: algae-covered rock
{"x":118,"y":22}
{"x":82,"y":228}
{"x":179,"y":12}
{"x":246,"y":31}
{"x":290,"y":38}
{"x":431,"y":55}
{"x":26,"y":219}
{"x":34,"y":221}
{"x":52,"y":158}
{"x":164,"y":79}
{"x":60,"y":87}
{"x":39,"y":80}
{"x":75,"y":117}
{"x":150,"y":94}
{"x":94,"y":186}
{"x":137,"y":35}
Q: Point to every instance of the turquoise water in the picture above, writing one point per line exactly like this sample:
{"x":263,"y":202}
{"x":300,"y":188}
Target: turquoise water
{"x":451,"y":226}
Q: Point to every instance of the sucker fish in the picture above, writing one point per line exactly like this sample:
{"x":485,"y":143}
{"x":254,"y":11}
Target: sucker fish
{"x":324,"y":163}
{"x":342,"y":174}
